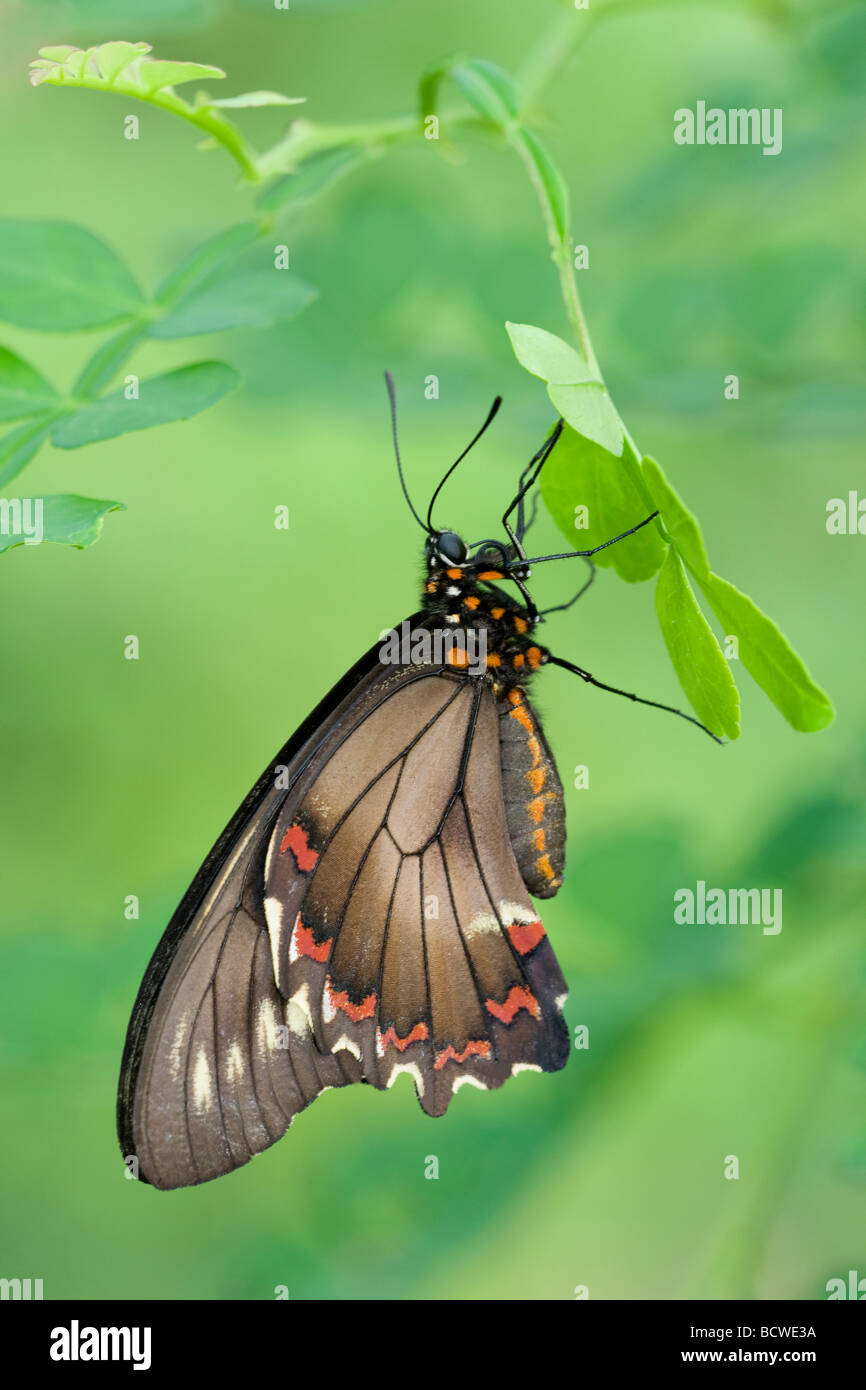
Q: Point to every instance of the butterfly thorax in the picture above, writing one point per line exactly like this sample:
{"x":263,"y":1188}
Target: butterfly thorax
{"x":465,"y":596}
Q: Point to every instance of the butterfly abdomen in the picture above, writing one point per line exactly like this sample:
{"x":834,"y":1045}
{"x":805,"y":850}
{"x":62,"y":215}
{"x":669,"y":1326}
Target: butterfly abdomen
{"x":534,"y":804}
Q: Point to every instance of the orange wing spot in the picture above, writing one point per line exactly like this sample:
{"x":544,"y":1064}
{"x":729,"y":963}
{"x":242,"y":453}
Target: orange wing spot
{"x":472,"y":602}
{"x":533,"y":656}
{"x":454,"y":574}
{"x":490,"y":574}
{"x":297,"y":841}
{"x":525,"y":936}
{"x":535,"y":809}
{"x":495,"y":612}
{"x":517,"y":661}
{"x":520,"y":623}
{"x":456,"y":657}
{"x":520,"y":713}
{"x":494,"y":660}
{"x":430,"y":588}
{"x":515,"y":698}
{"x":544,"y":866}
{"x":536,"y":777}
{"x":306,"y":944}
{"x":538,"y":840}
{"x":519,"y":997}
{"x":472,"y":1049}
{"x":416,"y":1034}
{"x":340,"y":1000}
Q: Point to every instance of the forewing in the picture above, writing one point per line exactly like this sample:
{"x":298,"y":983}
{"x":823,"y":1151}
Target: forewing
{"x":220,"y":1077}
{"x":215,"y":1064}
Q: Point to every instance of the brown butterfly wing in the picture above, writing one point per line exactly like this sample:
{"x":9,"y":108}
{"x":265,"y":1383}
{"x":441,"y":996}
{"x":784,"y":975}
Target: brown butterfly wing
{"x":207,"y":1077}
{"x":370,"y":919}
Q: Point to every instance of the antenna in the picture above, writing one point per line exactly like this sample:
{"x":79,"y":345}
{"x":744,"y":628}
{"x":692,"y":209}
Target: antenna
{"x":490,"y":416}
{"x":392,"y":396}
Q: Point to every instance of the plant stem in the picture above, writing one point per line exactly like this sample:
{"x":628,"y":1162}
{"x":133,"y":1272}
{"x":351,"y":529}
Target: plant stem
{"x":306,"y":138}
{"x":568,"y":28}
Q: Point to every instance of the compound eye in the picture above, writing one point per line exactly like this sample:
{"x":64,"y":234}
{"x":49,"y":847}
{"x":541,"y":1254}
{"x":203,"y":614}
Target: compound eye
{"x":451,"y":548}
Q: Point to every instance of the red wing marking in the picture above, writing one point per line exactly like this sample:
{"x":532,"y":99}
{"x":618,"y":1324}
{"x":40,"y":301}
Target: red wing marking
{"x":305,"y":943}
{"x":297,"y":841}
{"x":525,"y":936}
{"x":519,"y":997}
{"x":480,"y":1048}
{"x":417,"y":1034}
{"x":340,"y":1000}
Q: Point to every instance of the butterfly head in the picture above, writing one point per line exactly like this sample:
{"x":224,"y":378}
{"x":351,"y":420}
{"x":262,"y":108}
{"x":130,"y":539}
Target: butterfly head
{"x":445,"y":549}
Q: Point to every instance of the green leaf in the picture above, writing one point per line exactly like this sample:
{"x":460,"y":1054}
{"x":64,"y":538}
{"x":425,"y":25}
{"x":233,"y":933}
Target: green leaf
{"x":254,"y":99}
{"x":590,"y":410}
{"x":20,"y":445}
{"x":581,"y":399}
{"x":58,"y":278}
{"x":253,"y":298}
{"x":679,"y":521}
{"x":59,"y":53}
{"x":312,"y":177}
{"x":121,"y":65}
{"x":112,"y":58}
{"x":697,"y":658}
{"x":547,"y":180}
{"x":769,"y":658}
{"x":201,"y":262}
{"x":581,"y":474}
{"x":489,"y":88}
{"x":154,"y":73}
{"x":66,"y":520}
{"x":546,"y":356}
{"x":23,"y":391}
{"x":177,"y":395}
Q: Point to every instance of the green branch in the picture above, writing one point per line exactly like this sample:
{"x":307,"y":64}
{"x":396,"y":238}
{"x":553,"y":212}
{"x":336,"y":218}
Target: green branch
{"x":596,"y":470}
{"x":124,"y":68}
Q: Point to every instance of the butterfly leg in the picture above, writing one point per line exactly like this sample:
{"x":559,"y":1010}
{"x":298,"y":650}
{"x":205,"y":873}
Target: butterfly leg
{"x":587,"y":584}
{"x":627,"y":694}
{"x":527,"y":481}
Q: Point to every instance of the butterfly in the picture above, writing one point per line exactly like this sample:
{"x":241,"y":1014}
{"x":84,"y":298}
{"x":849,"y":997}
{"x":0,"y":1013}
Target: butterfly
{"x":368,"y":911}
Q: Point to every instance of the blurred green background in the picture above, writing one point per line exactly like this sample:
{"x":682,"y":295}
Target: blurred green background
{"x":118,"y":775}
